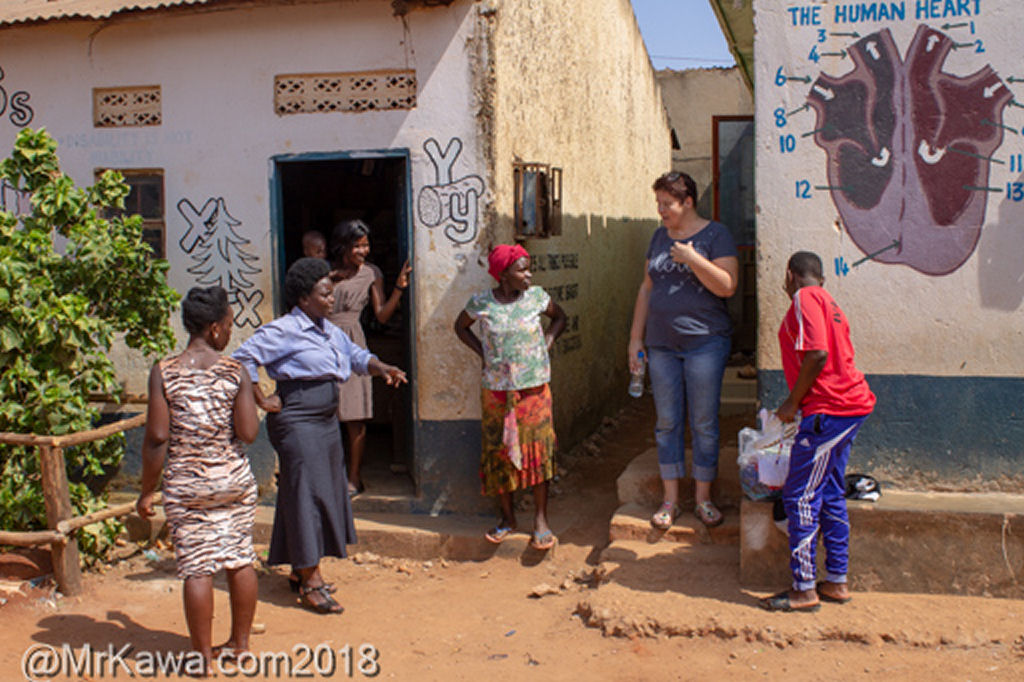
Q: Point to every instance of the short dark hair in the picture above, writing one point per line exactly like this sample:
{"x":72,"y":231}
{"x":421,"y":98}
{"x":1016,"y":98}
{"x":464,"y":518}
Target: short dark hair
{"x":202,"y":307}
{"x":302,"y":276}
{"x":805,"y":264}
{"x":310,"y":236}
{"x":679,"y":185}
{"x":346,"y":234}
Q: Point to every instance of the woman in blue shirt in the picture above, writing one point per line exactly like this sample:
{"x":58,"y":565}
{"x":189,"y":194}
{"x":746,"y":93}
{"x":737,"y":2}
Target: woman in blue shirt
{"x":681,"y":315}
{"x":307,"y":356}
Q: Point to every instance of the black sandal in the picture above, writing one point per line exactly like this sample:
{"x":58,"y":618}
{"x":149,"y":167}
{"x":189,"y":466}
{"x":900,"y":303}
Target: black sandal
{"x":328,"y":605}
{"x":295,"y":582}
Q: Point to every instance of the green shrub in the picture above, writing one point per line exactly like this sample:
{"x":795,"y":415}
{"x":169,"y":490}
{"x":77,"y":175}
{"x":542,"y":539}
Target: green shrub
{"x":71,"y":282}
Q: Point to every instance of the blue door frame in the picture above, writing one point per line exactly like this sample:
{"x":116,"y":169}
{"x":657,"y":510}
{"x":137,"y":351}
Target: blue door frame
{"x":405,"y":242}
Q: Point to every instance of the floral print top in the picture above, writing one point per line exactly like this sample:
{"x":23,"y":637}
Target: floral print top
{"x":515,"y":353}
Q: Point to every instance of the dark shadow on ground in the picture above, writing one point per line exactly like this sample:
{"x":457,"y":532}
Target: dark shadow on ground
{"x":77,"y":631}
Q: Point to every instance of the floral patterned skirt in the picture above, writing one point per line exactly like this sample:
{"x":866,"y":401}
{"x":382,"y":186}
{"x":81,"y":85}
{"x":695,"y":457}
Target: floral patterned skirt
{"x":537,"y":443}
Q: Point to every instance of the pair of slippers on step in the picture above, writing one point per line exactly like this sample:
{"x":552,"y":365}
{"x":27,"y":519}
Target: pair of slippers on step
{"x":539,"y":540}
{"x":706,"y":512}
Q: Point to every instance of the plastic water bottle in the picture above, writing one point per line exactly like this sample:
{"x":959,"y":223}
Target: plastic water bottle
{"x":636,"y":379}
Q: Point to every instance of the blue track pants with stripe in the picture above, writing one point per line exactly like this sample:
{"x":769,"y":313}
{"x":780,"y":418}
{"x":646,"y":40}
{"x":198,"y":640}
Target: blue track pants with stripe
{"x":814,"y":497}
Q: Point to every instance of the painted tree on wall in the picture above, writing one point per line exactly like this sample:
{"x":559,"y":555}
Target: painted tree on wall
{"x":218,"y":252}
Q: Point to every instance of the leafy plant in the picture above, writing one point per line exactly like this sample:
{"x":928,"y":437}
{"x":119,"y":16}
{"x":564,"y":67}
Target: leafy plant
{"x":71,"y":283}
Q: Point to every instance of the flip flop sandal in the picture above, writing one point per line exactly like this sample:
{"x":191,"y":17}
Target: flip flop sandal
{"x":498,"y":534}
{"x":780,"y":602}
{"x":665,"y":516}
{"x":829,"y":598}
{"x":708,"y":514}
{"x":543,"y":541}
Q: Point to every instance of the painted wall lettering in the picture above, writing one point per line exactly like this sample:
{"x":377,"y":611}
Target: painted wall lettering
{"x":542,"y":262}
{"x":16,"y":107}
{"x":568,"y":343}
{"x":220,"y":257}
{"x":450,"y":203}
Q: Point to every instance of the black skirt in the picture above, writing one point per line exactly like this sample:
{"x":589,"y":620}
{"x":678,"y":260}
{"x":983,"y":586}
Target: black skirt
{"x":313,"y":517}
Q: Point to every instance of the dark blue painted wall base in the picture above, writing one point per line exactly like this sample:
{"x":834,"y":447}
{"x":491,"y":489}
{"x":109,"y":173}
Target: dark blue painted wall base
{"x":948,"y":430}
{"x":448,"y":468}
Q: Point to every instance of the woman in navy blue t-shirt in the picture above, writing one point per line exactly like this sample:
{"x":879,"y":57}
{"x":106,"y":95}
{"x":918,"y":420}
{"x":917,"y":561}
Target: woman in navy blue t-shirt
{"x":681,"y":317}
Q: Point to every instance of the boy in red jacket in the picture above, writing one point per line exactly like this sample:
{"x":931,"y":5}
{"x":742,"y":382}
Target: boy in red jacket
{"x":834,"y":399}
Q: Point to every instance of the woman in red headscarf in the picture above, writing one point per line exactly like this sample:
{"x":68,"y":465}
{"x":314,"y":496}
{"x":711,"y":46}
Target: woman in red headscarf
{"x":518,"y":433}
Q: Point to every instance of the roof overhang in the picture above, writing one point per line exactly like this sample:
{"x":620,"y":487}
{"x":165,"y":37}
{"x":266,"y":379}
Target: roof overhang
{"x":736,"y":17}
{"x":43,"y":11}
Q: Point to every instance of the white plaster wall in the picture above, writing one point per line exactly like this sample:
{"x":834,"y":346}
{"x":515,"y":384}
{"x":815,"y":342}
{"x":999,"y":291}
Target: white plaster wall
{"x":692,"y":97}
{"x":967,"y":323}
{"x":219,"y":131}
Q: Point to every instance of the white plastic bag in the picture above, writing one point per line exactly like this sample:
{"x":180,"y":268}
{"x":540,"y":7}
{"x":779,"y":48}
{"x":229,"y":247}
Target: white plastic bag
{"x":764,"y":456}
{"x":773,"y":466}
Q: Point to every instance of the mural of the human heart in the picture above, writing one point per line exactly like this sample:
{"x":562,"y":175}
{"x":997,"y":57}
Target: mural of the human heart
{"x":909,"y":148}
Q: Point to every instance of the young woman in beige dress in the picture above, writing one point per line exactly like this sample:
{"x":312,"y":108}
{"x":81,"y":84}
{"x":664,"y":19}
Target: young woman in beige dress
{"x":356,"y":283}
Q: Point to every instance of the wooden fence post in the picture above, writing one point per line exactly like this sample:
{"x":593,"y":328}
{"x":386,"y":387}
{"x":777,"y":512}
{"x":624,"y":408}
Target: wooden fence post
{"x":58,"y":508}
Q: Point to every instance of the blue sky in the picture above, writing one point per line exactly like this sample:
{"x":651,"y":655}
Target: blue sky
{"x":681,"y":34}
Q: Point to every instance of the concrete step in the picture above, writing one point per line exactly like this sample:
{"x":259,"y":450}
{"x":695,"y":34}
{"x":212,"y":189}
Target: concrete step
{"x":939,"y":543}
{"x":640,"y":482}
{"x":735,"y":386}
{"x":632,"y":522}
{"x":739,"y":395}
{"x":409,"y":536}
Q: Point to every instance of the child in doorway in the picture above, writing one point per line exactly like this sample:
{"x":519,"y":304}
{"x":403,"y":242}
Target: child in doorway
{"x":314,"y":245}
{"x":834,"y":399}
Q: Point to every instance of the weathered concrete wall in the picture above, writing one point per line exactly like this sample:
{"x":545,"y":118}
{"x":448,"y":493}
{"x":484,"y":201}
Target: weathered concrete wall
{"x":888,"y":144}
{"x":544,"y":81}
{"x":219,"y":135}
{"x":574,"y":88}
{"x":219,"y":128}
{"x":692,"y":97}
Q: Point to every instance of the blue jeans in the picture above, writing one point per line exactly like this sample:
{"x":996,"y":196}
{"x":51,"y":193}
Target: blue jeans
{"x":681,"y":379}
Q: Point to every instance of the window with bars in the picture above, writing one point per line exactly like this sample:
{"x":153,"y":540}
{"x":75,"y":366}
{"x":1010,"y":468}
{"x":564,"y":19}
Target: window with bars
{"x":126,"y":107}
{"x":145,"y":198}
{"x":355,"y":91}
{"x":538,"y":200}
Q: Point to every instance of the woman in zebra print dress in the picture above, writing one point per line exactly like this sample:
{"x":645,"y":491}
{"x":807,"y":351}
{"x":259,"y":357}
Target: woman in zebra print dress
{"x":201,"y":408}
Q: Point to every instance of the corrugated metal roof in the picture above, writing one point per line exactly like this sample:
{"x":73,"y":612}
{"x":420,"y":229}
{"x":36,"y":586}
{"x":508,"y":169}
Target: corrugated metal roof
{"x":22,"y":11}
{"x":41,"y":11}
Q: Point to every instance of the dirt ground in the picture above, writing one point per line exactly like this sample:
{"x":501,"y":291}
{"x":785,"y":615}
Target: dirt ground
{"x":444,"y":620}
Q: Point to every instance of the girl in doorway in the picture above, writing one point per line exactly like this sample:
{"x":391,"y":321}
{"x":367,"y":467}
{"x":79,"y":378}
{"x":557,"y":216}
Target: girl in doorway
{"x":201,"y":409}
{"x":356,"y":283}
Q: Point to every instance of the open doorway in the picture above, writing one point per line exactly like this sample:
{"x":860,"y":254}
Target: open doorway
{"x":316,"y":192}
{"x":733,"y":204}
